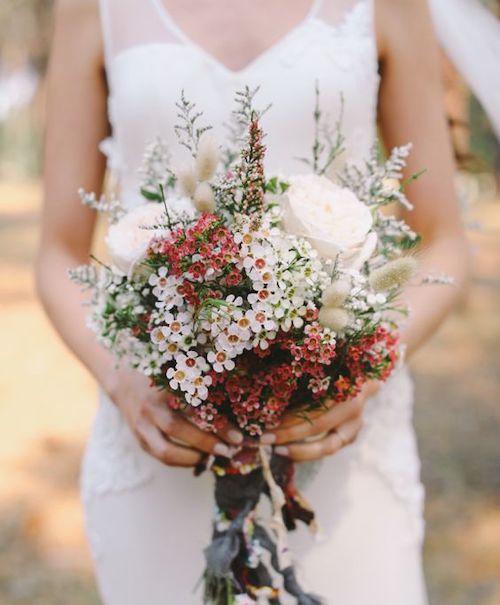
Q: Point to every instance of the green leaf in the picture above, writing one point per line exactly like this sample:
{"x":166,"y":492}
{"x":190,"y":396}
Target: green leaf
{"x":272,"y":185}
{"x":412,"y":178}
{"x":151,"y":195}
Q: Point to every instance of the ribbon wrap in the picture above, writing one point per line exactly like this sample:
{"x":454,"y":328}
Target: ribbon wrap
{"x":235,"y":568}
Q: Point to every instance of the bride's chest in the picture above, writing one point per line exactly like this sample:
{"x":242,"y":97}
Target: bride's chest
{"x":147,"y":80}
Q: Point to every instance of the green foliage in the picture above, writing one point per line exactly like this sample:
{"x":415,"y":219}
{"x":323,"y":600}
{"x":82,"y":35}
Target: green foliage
{"x":276,"y":186}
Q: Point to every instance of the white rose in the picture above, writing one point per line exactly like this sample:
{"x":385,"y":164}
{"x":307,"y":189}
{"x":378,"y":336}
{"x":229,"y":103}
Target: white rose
{"x":129,"y":238}
{"x":330,"y":217}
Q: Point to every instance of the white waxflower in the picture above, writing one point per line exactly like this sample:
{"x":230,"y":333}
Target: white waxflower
{"x":244,"y":237}
{"x":260,"y":318}
{"x":200,"y":390}
{"x":260,"y":263}
{"x":171,"y":350}
{"x":179,"y":328}
{"x":376,"y":299}
{"x":162,"y":282}
{"x":233,"y":340}
{"x":149,"y":362}
{"x":262,"y":339}
{"x":330,"y":217}
{"x":294,"y":318}
{"x":220,"y":361}
{"x":177,"y":379}
{"x":191,"y":363}
{"x":166,"y":288}
{"x":263,"y":296}
{"x":160,"y":337}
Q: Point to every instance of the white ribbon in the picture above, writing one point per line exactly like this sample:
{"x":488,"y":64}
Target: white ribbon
{"x":470,"y":35}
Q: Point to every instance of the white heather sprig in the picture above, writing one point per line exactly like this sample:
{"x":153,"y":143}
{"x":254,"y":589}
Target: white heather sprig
{"x":328,"y":142}
{"x":84,"y":275}
{"x":369,"y":183}
{"x":187,"y":129}
{"x":155,"y":170}
{"x":444,"y":280}
{"x":108,"y":204}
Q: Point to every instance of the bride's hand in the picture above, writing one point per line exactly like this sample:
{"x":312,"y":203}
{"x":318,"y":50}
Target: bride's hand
{"x":165,"y":434}
{"x":324,"y":433}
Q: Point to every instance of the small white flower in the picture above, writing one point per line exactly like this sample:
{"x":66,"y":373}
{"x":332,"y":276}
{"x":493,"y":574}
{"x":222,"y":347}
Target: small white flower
{"x":177,"y":378}
{"x":159,"y":336}
{"x":293,"y":319}
{"x":376,"y":299}
{"x":262,"y":339}
{"x":259,"y":318}
{"x":220,"y":361}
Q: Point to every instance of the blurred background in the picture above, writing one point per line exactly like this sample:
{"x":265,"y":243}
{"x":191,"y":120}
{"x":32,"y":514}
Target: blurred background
{"x":47,"y":401}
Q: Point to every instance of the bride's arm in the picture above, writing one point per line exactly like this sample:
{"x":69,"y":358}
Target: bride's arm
{"x":76,"y":122}
{"x":411,"y":110}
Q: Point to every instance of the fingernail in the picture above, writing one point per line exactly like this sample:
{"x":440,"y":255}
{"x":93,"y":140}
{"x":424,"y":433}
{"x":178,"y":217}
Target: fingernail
{"x":222,"y":450}
{"x":282,"y":450}
{"x":234,"y":436}
{"x":268,"y":439}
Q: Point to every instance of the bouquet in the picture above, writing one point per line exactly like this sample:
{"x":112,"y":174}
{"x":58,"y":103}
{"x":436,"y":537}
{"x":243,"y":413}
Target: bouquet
{"x":244,"y":296}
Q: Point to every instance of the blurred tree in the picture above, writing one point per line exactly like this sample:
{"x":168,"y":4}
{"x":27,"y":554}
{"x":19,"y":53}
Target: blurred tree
{"x":25,"y":27}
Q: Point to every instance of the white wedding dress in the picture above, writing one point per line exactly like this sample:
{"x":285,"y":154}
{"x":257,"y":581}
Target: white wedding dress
{"x":148,"y":523}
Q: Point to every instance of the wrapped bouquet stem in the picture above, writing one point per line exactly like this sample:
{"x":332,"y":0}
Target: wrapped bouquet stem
{"x":244,"y":296}
{"x":238,"y":538}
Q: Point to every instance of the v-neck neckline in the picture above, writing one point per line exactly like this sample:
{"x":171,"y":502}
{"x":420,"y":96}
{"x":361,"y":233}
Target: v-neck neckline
{"x":171,"y":25}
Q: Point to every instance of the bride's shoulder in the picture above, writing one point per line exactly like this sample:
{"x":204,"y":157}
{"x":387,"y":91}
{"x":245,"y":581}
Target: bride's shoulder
{"x":403,"y":23}
{"x":86,"y":10}
{"x":77,"y":27}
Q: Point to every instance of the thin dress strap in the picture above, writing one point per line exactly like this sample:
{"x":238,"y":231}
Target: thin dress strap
{"x":359,"y":14}
{"x":105,"y":17}
{"x":130,"y":23}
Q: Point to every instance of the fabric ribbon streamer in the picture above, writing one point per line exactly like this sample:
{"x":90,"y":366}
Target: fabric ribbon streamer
{"x":234,"y":560}
{"x":470,"y":35}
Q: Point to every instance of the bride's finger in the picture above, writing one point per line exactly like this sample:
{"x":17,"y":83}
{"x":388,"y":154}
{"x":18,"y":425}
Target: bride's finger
{"x":229,"y":433}
{"x":175,"y":426}
{"x":158,"y":446}
{"x":322,"y":423}
{"x":329,"y":445}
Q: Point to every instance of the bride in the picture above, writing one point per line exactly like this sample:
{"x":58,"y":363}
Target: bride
{"x":117,"y":69}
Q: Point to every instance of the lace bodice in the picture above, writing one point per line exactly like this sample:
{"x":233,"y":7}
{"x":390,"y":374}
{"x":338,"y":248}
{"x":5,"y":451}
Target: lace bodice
{"x":150,"y":60}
